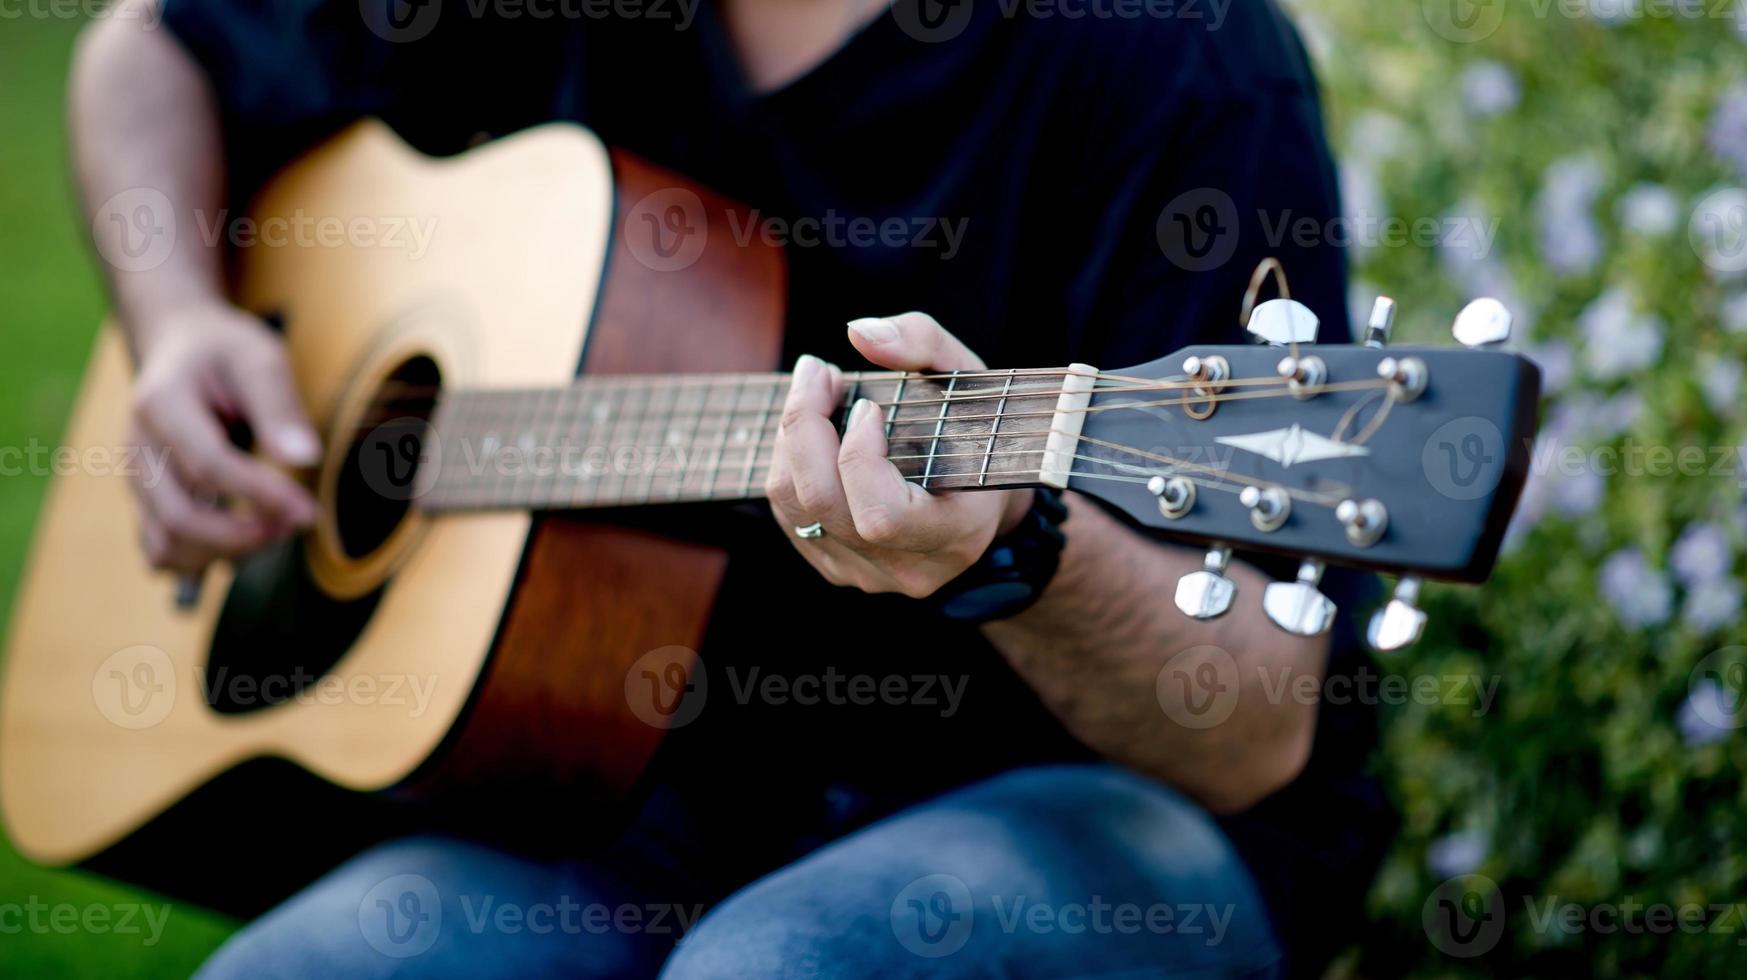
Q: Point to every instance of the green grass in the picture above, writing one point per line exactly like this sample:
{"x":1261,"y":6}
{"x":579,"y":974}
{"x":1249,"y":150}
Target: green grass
{"x":50,"y":303}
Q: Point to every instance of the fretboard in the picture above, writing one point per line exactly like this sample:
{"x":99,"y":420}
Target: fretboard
{"x":618,"y":441}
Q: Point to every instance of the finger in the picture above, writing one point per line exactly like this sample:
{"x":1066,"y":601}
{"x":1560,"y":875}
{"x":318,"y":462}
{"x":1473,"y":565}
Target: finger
{"x":911,"y":342}
{"x":207,"y":461}
{"x":193,"y":528}
{"x":810,"y":444}
{"x":261,"y":379}
{"x":886,"y":509}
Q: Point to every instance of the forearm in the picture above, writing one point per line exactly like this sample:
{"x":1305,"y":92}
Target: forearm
{"x":1097,"y":645}
{"x":145,"y":140}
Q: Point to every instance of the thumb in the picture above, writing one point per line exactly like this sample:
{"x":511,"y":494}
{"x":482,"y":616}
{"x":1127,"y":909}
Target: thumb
{"x":261,"y":381}
{"x":911,"y":342}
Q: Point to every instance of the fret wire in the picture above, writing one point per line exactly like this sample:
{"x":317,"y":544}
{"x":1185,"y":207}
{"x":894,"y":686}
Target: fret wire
{"x":939,"y":427}
{"x":995,"y":427}
{"x":897,"y":397}
{"x":753,"y":450}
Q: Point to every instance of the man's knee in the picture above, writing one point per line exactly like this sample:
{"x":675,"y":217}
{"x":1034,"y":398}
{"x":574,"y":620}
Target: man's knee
{"x":1039,"y":872}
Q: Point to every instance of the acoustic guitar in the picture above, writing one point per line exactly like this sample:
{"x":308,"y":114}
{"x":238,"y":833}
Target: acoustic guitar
{"x":485,"y":401}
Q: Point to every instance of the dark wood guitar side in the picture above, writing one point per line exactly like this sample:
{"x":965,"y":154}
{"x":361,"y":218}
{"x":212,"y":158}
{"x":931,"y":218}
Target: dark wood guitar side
{"x":578,"y":573}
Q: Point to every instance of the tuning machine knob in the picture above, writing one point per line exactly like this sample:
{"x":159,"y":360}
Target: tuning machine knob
{"x":1381,"y":324}
{"x":1482,"y":323}
{"x":1282,"y":323}
{"x":1407,"y":377}
{"x":1269,"y":506}
{"x":1303,"y":374}
{"x":1176,"y":495}
{"x":1399,"y":623}
{"x":1364,"y":520}
{"x":1206,"y":593}
{"x":1298,"y":607}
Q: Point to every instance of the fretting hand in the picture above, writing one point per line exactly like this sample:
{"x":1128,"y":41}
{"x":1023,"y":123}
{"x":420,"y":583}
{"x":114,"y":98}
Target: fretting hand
{"x":845,"y":506}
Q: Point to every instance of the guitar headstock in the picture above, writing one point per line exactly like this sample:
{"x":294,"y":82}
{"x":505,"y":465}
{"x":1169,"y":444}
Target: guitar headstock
{"x":1403,"y":460}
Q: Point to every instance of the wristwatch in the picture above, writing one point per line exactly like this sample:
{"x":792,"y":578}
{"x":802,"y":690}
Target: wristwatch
{"x":1013,"y":573}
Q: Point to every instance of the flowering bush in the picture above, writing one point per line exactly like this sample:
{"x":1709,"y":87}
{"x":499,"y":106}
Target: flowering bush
{"x":1584,"y":161}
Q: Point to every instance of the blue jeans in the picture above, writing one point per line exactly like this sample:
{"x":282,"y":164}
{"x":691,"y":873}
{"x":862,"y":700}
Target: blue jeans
{"x":1060,"y":871}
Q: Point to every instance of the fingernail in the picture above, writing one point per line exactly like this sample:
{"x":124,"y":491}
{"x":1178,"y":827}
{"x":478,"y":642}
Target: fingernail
{"x":863,"y":408}
{"x":875,"y":329}
{"x":298,"y":446}
{"x":805,"y":365}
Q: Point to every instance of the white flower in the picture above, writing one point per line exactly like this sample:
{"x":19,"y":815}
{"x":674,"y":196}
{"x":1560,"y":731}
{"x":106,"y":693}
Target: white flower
{"x":1490,"y":89}
{"x":1650,"y":210}
{"x":1457,"y":854}
{"x":1702,"y":554}
{"x":1712,"y":605}
{"x":1721,"y":382}
{"x":1617,"y":339}
{"x":1638,"y":594}
{"x":1705,"y":705}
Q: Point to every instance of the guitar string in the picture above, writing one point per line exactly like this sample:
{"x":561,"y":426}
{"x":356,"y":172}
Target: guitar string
{"x":762,"y":444}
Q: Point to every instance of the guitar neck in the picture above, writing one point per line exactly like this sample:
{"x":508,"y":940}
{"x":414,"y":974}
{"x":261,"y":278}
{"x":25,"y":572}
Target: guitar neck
{"x":645,"y":439}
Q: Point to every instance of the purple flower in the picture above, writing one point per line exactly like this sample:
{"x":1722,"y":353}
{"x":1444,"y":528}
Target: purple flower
{"x":1571,"y":241}
{"x":1555,"y":360}
{"x":1702,"y":554}
{"x":1704,"y":715}
{"x":1457,"y":854}
{"x":1712,"y":605}
{"x":1617,"y":339}
{"x":1650,"y":210}
{"x":1578,"y":494}
{"x":1727,"y":134}
{"x":1721,"y":382}
{"x":1640,"y":595}
{"x":1734,"y":313}
{"x":1490,"y":89}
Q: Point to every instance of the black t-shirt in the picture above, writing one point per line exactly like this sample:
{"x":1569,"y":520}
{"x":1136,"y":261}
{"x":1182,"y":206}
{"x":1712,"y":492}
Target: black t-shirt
{"x":1028,"y":160}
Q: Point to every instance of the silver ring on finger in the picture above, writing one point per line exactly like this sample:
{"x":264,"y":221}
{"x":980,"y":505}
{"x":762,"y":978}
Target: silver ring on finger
{"x":810,"y":532}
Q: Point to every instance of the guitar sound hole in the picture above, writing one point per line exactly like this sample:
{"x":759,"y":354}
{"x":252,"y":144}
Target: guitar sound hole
{"x":380,"y":477}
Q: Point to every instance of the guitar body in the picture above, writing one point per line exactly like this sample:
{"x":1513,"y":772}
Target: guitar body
{"x":435,"y":658}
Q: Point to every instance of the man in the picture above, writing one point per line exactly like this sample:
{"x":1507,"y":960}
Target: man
{"x":1044,"y":799}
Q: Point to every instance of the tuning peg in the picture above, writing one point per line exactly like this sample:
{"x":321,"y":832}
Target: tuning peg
{"x":1482,"y":323}
{"x":1399,"y":623}
{"x":1297,"y":607}
{"x":1206,"y":594}
{"x":1176,"y":495}
{"x":1381,"y":324}
{"x":1269,"y":506}
{"x":1304,"y":375}
{"x":1283,"y":322}
{"x":1364,"y":520}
